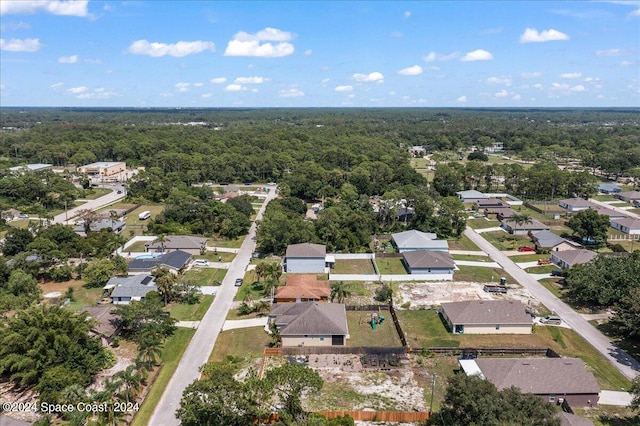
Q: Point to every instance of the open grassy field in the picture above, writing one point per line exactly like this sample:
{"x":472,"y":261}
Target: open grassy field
{"x":362,"y":334}
{"x":552,"y":284}
{"x":391,"y":266}
{"x":186,"y":312}
{"x":217,"y":256}
{"x":471,"y":257}
{"x":82,"y":296}
{"x":174,"y":347}
{"x":94,"y":193}
{"x":221,"y":242}
{"x":206,"y":276}
{"x":504,"y":241}
{"x":482,"y":223}
{"x":609,"y":415}
{"x":544,"y":269}
{"x":244,"y":343}
{"x":462,"y":243}
{"x":481,"y":274}
{"x":353,"y":266}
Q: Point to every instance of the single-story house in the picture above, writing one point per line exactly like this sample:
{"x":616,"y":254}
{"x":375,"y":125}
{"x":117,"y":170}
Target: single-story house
{"x":629,"y":196}
{"x":125,"y":290}
{"x":307,"y":258}
{"x":576,"y":204}
{"x":547,"y":240}
{"x":174,"y":261}
{"x":115,"y":225}
{"x":612,"y":214}
{"x":512,"y":227}
{"x":311,"y":323}
{"x":186,"y":243}
{"x":303,"y":288}
{"x":422,"y":262}
{"x":487,"y":317}
{"x":609,"y":188}
{"x":11,"y":214}
{"x":107,"y":324}
{"x":471,"y":196}
{"x":404,"y":214}
{"x":569,"y":258}
{"x":568,"y":419}
{"x":502,"y":213}
{"x":490,"y":203}
{"x":629,"y":225}
{"x":417,"y":240}
{"x":553,"y":379}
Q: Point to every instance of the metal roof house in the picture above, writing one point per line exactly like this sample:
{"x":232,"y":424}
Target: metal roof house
{"x":550,"y":378}
{"x":307,"y":258}
{"x":311,"y":323}
{"x":471,"y":196}
{"x":487,"y":317}
{"x":130,"y":288}
{"x":609,"y":188}
{"x":416,"y":240}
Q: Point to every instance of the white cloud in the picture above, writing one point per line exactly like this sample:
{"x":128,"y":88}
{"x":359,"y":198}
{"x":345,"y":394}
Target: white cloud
{"x":250,"y":80}
{"x":504,"y":80}
{"x":501,"y":94}
{"x":92,"y":61}
{"x":178,"y":50}
{"x":68,"y":59}
{"x":578,"y":88}
{"x":290,"y":93}
{"x":626,"y":63}
{"x":182,"y":87}
{"x":531,"y":35}
{"x":570,"y":75}
{"x":218,"y":80}
{"x":78,"y":90}
{"x":433,"y":56}
{"x":615,"y":52}
{"x":235,"y":88}
{"x":56,"y":85}
{"x":13,"y":26}
{"x":462,"y":99}
{"x":343,"y":88}
{"x":198,"y":84}
{"x":531,"y":74}
{"x":325,"y":80}
{"x":98,"y":93}
{"x":407,"y":14}
{"x":20,"y":45}
{"x":308,"y":52}
{"x":477,"y":55}
{"x":538,"y":86}
{"x":516,"y":97}
{"x":371,"y":77}
{"x":206,"y":95}
{"x":414,"y":70}
{"x":55,"y":7}
{"x":245,"y":44}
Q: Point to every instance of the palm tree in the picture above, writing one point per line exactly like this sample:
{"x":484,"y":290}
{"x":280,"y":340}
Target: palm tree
{"x":273,"y":271}
{"x":260,"y":270}
{"x":522,"y":219}
{"x":131,"y":381}
{"x":339,"y":291}
{"x":161,"y":239}
{"x":164,"y":281}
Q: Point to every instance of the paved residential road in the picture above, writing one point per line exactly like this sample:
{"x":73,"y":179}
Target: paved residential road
{"x":203,"y":341}
{"x":96,"y":204}
{"x":619,"y":358}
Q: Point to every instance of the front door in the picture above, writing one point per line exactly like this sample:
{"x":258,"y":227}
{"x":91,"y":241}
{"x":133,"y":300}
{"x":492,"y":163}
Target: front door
{"x":337,"y":340}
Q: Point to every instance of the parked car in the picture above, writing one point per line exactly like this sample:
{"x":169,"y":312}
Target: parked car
{"x":238,"y":282}
{"x":551,"y":319}
{"x":23,"y":216}
{"x":527,"y":248}
{"x":119,"y":191}
{"x":556,"y":273}
{"x":200,"y":262}
{"x":478,"y":215}
{"x":544,"y":261}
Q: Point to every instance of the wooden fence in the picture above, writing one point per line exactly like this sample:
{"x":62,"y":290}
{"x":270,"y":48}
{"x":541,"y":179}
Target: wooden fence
{"x":380,"y":416}
{"x":341,"y":350}
{"x":367,"y":308}
{"x":396,"y":322}
{"x":475,"y":352}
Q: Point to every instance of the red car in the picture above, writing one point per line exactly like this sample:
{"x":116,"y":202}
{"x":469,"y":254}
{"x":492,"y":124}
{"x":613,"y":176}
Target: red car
{"x":526,"y":248}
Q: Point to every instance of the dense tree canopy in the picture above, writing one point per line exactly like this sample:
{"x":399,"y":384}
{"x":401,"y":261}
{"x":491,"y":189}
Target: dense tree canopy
{"x":590,"y":226}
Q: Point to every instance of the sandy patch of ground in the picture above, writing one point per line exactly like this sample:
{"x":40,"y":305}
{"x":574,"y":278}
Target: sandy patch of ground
{"x":435,"y":293}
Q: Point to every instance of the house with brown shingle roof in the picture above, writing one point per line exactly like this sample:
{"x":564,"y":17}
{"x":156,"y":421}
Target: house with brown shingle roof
{"x":629,"y":225}
{"x":552,"y":379}
{"x":107,"y":324}
{"x":303,"y":288}
{"x":311,"y":323}
{"x":576,"y":204}
{"x":487,"y":317}
{"x":422,"y":262}
{"x":569,"y":258}
{"x":629,"y":196}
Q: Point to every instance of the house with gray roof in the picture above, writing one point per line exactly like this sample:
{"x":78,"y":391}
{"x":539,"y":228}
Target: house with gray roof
{"x":629,"y":196}
{"x":513,"y":227}
{"x":609,"y":188}
{"x":553,"y":379}
{"x":417,"y":240}
{"x":471,"y":196}
{"x":187,"y":243}
{"x":570,"y":258}
{"x":307,"y":258}
{"x":125,"y":290}
{"x":629,"y":225}
{"x":548,"y":241}
{"x":568,"y":419}
{"x":487,"y":317}
{"x":96,"y":226}
{"x":107,"y":324}
{"x":175,"y":261}
{"x":437,"y":263}
{"x":576,"y":204}
{"x":311,"y":323}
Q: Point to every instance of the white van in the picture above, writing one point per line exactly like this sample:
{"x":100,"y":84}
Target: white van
{"x":144,"y":215}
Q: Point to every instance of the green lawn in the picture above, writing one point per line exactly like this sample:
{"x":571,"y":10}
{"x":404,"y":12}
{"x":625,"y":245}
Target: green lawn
{"x":462,"y":243}
{"x":219,"y":242}
{"x":482,"y":223}
{"x":391,"y":266}
{"x":504,"y":241}
{"x":528,"y":257}
{"x":480,"y":274}
{"x":217,"y":256}
{"x":186,"y":312}
{"x":82,"y":296}
{"x":234,"y":315}
{"x":553,"y":286}
{"x":133,"y":222}
{"x":353,"y":266}
{"x":609,"y":415}
{"x":174,"y":347}
{"x":206,"y":276}
{"x":250,"y":287}
{"x":544,"y":269}
{"x":605,"y":197}
{"x":94,"y":193}
{"x":137,"y":247}
{"x":246,"y":343}
{"x":362,"y":334}
{"x":471,"y":257}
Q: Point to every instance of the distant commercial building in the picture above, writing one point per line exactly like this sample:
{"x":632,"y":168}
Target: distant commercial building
{"x":105,"y":169}
{"x":31,"y":168}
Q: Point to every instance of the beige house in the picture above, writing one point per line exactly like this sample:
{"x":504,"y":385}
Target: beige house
{"x":311,"y":323}
{"x":548,"y":241}
{"x":570,"y":258}
{"x":104,"y":169}
{"x":487,"y":317}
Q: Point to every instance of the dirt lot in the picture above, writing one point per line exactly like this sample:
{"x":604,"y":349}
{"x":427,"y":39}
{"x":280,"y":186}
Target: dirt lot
{"x":432,"y":293}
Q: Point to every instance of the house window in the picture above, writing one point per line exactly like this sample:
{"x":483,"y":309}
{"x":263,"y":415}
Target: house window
{"x":552,"y":398}
{"x":497,"y":326}
{"x":322,"y":338}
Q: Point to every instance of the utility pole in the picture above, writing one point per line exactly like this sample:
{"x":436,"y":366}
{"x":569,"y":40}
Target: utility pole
{"x":433,"y":386}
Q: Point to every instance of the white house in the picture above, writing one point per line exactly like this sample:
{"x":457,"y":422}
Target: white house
{"x":629,"y":226}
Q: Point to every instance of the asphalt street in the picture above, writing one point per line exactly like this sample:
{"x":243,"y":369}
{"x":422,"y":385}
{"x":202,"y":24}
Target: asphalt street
{"x":96,"y":204}
{"x":619,"y":358}
{"x":202,"y":343}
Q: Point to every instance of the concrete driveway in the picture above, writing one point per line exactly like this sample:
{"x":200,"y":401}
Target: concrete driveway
{"x":621,"y":399}
{"x":245,"y":323}
{"x":627,"y":365}
{"x":203,"y":341}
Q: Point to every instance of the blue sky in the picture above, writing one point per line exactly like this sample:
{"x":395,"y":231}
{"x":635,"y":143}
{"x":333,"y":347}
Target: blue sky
{"x":320,"y":54}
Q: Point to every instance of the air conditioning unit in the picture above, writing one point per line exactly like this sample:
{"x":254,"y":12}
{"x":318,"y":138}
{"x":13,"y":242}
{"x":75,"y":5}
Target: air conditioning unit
{"x":560,"y":401}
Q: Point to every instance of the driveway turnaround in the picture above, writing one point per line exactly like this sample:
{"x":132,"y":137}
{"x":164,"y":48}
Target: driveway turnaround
{"x":203,"y":341}
{"x":627,"y":365}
